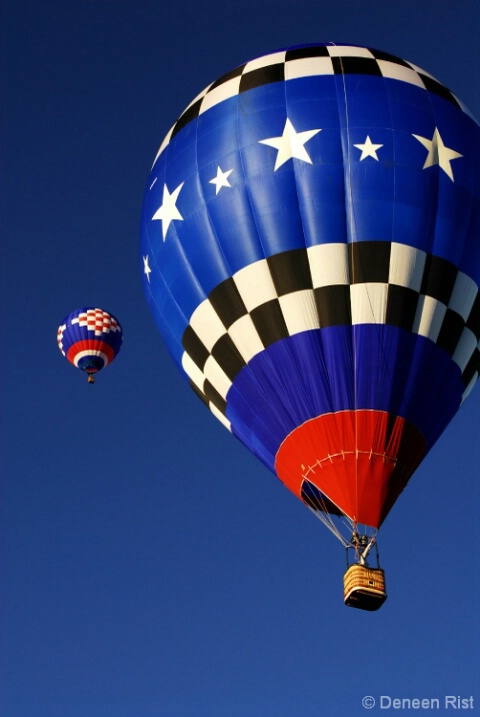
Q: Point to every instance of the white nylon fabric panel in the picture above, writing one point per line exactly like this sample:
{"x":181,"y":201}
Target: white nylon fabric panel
{"x":369,"y":303}
{"x":193,"y":372}
{"x":348,"y":51}
{"x":406,"y":266}
{"x":255,"y":284}
{"x":299,"y":311}
{"x":217,"y":377}
{"x":429,"y":317}
{"x":245,"y":337}
{"x":223,"y":92}
{"x":260,"y":62}
{"x":465,"y":348}
{"x":207,"y":324}
{"x":197,"y":377}
{"x":328,"y":264}
{"x":308,"y":66}
{"x":395,"y":71}
{"x":463,"y":295}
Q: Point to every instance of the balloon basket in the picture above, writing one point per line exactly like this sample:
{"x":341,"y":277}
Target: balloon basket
{"x":364,"y":587}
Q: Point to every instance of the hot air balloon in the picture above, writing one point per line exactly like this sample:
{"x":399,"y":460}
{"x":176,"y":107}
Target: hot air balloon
{"x":90,"y":338}
{"x":311,"y":254}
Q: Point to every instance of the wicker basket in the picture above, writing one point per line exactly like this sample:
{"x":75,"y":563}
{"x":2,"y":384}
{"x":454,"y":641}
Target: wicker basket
{"x":364,"y":587}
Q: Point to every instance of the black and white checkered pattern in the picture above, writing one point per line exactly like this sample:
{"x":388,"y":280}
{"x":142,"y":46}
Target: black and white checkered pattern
{"x":327,"y":285}
{"x":306,"y":62}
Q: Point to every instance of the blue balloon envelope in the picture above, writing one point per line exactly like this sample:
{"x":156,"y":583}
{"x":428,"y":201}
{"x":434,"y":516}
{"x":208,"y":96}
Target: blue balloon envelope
{"x":311,"y":255}
{"x":90,"y":338}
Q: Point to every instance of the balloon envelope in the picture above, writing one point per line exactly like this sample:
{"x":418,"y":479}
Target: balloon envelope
{"x":89,"y":338}
{"x":311,"y":255}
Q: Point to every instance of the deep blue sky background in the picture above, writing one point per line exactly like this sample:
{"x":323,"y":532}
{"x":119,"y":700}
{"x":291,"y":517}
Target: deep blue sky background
{"x":149,"y":566}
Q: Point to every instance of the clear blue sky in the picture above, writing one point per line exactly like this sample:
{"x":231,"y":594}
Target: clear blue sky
{"x":149,"y":566}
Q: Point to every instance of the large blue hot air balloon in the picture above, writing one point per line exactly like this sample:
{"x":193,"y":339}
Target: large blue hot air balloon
{"x":90,"y":338}
{"x":311,"y":255}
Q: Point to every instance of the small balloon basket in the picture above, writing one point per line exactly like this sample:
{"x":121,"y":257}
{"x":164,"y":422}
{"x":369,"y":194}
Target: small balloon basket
{"x":364,"y":587}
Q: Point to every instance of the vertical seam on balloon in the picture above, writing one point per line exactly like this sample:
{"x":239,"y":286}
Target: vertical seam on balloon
{"x":291,"y":347}
{"x":350,"y":224}
{"x":264,"y":253}
{"x":381,"y":343}
{"x":204,"y":203}
{"x":431,"y":238}
{"x":244,"y":175}
{"x":348,"y":239}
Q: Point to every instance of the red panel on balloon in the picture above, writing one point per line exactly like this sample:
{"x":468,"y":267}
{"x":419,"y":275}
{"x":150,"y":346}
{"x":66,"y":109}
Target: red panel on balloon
{"x":92,"y":346}
{"x":361,"y":460}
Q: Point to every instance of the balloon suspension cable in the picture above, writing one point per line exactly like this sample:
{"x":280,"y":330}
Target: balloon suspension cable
{"x":320,"y":509}
{"x":361,"y":539}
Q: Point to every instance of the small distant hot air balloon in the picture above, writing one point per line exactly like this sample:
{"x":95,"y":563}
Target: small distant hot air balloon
{"x":311,"y":255}
{"x":90,"y":338}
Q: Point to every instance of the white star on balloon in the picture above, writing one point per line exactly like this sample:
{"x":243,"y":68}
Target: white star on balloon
{"x":438,"y":153}
{"x":221,"y":180}
{"x":146,"y":269}
{"x":368,"y":149}
{"x":168,"y":212}
{"x":291,"y":144}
